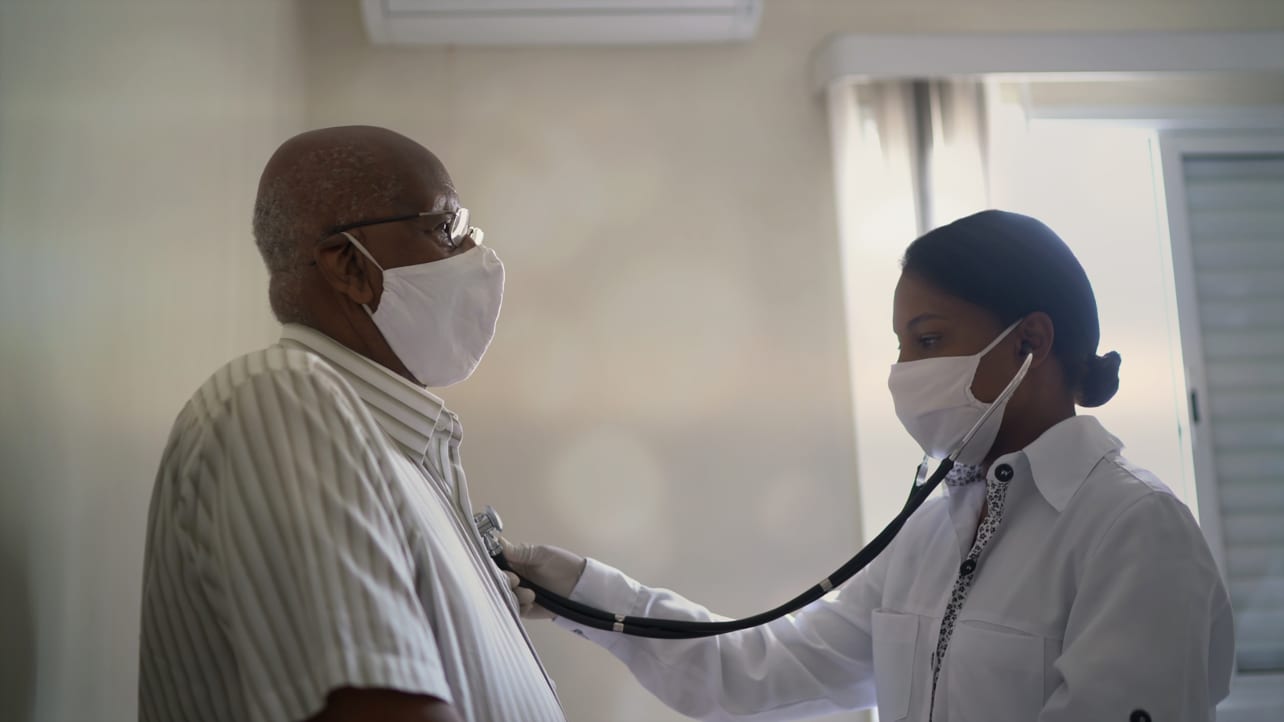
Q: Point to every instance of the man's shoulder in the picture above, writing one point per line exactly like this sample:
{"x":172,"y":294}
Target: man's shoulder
{"x":259,"y":390}
{"x":270,"y":370}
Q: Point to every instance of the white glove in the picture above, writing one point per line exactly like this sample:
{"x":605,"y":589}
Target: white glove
{"x":550,"y":567}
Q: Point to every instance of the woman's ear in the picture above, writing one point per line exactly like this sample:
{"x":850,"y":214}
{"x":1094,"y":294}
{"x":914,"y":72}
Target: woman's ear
{"x":348,"y":271}
{"x":1035,"y":336}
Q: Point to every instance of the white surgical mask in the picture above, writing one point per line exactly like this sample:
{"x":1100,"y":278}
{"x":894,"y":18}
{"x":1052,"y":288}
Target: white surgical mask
{"x":439,"y":317}
{"x":933,"y":399}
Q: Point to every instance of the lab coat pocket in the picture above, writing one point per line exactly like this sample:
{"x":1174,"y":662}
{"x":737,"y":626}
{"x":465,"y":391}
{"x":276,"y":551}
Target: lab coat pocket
{"x":995,"y":674}
{"x":895,"y":639}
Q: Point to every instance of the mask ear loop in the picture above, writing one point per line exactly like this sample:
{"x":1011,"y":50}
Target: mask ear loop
{"x":997,"y":339}
{"x":1003,"y":396}
{"x":364,"y":252}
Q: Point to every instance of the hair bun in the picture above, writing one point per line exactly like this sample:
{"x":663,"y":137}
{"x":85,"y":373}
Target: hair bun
{"x":1100,"y":379}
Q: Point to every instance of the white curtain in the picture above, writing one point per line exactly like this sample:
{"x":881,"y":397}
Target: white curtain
{"x":952,"y":144}
{"x":909,"y":155}
{"x":928,"y":137}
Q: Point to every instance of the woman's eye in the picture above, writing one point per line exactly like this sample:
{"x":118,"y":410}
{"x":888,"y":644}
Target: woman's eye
{"x":928,"y":341}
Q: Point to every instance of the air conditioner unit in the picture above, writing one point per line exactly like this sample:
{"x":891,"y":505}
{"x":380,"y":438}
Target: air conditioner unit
{"x":560,"y":22}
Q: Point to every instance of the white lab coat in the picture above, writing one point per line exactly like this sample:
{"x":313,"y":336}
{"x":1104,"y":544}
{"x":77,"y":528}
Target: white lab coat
{"x":1096,"y":601}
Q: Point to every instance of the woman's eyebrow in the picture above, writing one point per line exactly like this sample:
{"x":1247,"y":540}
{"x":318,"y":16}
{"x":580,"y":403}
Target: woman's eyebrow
{"x":923,"y":317}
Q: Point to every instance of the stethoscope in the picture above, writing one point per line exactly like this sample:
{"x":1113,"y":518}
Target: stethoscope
{"x":489,"y":526}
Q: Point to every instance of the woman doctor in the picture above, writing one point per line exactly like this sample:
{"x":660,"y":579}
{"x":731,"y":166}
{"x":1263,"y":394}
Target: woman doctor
{"x":1054,"y":580}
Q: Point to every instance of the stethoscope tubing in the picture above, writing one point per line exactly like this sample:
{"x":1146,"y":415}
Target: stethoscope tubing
{"x":659,"y":628}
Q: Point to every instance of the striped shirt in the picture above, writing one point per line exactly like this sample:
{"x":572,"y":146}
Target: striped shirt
{"x":310,"y":529}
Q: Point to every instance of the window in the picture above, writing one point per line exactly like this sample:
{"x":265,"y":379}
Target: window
{"x":1226,"y":216}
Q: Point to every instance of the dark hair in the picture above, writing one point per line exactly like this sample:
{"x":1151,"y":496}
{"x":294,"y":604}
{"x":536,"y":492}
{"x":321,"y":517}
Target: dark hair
{"x":1013,"y":265}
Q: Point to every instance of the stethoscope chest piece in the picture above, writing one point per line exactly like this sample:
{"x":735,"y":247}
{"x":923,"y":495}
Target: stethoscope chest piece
{"x":489,"y":525}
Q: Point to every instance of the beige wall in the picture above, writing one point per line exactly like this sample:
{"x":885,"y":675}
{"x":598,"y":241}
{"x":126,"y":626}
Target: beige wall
{"x":668,"y":389}
{"x":131,"y":137}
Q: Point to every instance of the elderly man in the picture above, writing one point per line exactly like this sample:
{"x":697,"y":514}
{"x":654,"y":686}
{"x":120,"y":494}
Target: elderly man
{"x":310,"y":547}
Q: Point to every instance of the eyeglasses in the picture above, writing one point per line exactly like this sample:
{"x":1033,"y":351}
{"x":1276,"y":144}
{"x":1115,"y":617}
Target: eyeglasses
{"x":454,"y":230}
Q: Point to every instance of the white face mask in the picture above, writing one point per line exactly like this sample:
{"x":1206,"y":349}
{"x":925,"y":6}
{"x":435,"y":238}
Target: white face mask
{"x":439,"y":317}
{"x":933,"y":399}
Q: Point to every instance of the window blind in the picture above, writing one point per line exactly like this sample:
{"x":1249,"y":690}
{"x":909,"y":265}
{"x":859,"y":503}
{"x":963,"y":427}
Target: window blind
{"x":1235,"y":207}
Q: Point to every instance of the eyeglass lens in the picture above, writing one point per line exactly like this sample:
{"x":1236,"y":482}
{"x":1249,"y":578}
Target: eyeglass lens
{"x":459,"y":226}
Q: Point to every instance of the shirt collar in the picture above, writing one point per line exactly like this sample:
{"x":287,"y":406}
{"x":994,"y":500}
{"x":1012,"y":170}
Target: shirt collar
{"x":1062,"y":458}
{"x":407,"y":413}
{"x":964,"y":474}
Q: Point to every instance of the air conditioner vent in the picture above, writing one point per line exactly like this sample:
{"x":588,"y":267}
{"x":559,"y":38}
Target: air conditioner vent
{"x":560,"y":22}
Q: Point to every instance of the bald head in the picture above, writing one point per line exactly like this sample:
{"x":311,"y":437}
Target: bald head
{"x":328,"y":177}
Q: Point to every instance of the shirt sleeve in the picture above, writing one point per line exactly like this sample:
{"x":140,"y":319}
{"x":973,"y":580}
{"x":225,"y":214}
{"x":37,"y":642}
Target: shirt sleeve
{"x":307,"y":559}
{"x":816,"y":661}
{"x":1150,"y":629}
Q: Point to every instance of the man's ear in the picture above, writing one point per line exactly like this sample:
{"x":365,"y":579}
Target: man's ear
{"x":348,"y":271}
{"x":1035,"y":336}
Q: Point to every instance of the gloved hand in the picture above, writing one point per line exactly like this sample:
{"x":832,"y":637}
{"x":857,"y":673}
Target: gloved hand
{"x":550,"y":567}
